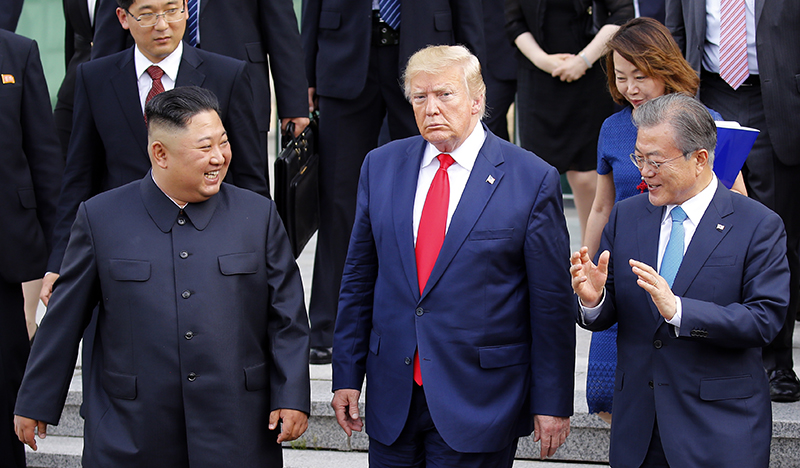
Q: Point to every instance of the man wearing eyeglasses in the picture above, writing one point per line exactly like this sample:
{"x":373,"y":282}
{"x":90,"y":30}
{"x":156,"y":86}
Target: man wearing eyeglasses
{"x":108,"y":146}
{"x":697,"y":278}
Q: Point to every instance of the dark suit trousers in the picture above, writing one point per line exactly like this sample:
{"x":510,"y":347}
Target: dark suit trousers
{"x":348,"y":130}
{"x":769,"y":181}
{"x":421,"y":446}
{"x":14,"y":349}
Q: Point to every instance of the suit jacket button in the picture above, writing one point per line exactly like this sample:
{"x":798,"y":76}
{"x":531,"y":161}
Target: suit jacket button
{"x":650,"y":383}
{"x":184,"y":254}
{"x":181,"y":221}
{"x":657,"y":344}
{"x":191,"y":377}
{"x":408,"y":361}
{"x":189,"y":335}
{"x":186,"y":294}
{"x":419,"y":311}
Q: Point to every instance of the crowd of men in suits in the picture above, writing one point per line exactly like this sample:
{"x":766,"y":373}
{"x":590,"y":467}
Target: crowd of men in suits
{"x":443,"y":253}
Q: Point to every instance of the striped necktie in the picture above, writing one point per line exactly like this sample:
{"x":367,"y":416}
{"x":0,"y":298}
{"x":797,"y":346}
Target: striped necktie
{"x":191,"y":23}
{"x":390,"y":13}
{"x":733,"y":43}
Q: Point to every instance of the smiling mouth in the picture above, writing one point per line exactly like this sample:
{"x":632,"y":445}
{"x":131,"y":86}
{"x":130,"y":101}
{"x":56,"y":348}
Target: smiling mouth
{"x":211,"y":175}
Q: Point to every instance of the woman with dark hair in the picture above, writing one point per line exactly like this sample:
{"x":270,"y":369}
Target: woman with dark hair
{"x":643,"y":62}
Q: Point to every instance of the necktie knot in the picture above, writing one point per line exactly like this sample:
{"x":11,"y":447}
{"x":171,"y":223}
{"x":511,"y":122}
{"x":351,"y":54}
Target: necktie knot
{"x":678,"y":215}
{"x":155,"y":72}
{"x":445,"y":161}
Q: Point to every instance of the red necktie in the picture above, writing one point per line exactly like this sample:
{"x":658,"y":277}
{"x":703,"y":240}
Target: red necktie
{"x":733,"y":43}
{"x":432,"y":228}
{"x":155,"y":73}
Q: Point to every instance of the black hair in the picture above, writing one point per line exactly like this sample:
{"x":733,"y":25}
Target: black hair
{"x":174,"y":108}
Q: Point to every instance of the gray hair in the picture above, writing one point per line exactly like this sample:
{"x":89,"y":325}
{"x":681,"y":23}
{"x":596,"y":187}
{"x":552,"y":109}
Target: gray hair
{"x":433,"y":60}
{"x":692,"y":124}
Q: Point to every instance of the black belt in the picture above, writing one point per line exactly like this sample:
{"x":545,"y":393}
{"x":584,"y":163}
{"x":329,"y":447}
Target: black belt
{"x":752,"y":80}
{"x":382,"y":33}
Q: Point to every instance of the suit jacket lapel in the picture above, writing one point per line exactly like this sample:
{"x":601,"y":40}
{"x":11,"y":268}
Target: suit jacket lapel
{"x":473,"y":201}
{"x":124,"y":82}
{"x":711,"y":230}
{"x":403,"y":194}
{"x":188,"y":73}
{"x":648,"y":229}
{"x":759,"y":9}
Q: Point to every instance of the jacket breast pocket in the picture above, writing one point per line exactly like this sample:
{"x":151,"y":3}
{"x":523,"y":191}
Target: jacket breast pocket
{"x":491,"y":234}
{"x":492,"y":357}
{"x":27,"y":198}
{"x":238,"y":264}
{"x":727,"y":388}
{"x":722,"y":261}
{"x":122,"y":386}
{"x":443,"y":21}
{"x":255,"y":53}
{"x":330,"y":19}
{"x":256,"y":377}
{"x":129,"y":270}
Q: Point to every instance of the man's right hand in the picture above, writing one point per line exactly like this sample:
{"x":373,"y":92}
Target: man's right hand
{"x":588,"y":279}
{"x":47,"y":287}
{"x":345,"y":405}
{"x":27,"y":428}
{"x":313,"y":100}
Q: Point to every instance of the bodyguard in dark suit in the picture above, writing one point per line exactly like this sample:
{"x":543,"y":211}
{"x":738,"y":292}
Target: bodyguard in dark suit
{"x":458,"y":320}
{"x":263,"y":33}
{"x":33,"y":163}
{"x":690,"y":388}
{"x":9,"y":14}
{"x":201,"y":332}
{"x":769,"y":100}
{"x":354,"y":59}
{"x":108,"y":146}
{"x":78,"y":33}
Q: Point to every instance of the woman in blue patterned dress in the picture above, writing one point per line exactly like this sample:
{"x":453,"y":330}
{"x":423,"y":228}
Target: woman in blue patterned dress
{"x":643,"y":62}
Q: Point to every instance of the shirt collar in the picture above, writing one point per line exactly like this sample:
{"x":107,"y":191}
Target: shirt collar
{"x":465,"y":155}
{"x":696,"y":206}
{"x":164,"y":211}
{"x":169,"y":65}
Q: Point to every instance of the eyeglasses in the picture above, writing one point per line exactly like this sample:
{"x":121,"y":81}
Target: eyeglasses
{"x":640,"y":162}
{"x":147,"y":20}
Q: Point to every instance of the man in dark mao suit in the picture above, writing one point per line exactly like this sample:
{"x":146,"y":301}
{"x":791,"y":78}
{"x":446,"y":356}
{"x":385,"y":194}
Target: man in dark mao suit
{"x":108,"y":145}
{"x":768,"y":100}
{"x":30,"y":157}
{"x":354,"y":62}
{"x":201,"y":326}
{"x":263,"y":33}
{"x":690,"y":388}
{"x":469,"y":348}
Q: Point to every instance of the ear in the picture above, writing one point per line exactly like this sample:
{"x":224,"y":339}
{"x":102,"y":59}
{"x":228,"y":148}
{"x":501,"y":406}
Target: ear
{"x":477,"y":104}
{"x":122,"y":16}
{"x":159,"y":154}
{"x":701,"y":156}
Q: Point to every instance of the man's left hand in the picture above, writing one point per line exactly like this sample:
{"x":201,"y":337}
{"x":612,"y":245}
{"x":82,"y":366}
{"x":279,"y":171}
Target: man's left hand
{"x":550,"y":432}
{"x":300,"y":124}
{"x":294,"y":424}
{"x":657,"y":286}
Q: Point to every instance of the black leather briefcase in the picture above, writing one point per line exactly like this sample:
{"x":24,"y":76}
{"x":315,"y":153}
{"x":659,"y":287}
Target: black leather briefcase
{"x":297,"y":185}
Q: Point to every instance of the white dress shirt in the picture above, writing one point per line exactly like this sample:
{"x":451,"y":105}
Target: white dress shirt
{"x":458,"y":173}
{"x":170,"y":64}
{"x":694,"y":208}
{"x":711,"y":49}
{"x":91,"y":5}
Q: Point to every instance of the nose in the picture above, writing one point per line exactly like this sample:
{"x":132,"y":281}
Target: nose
{"x":432,"y":106}
{"x":161,"y":23}
{"x":217,"y":156}
{"x":633,"y":87}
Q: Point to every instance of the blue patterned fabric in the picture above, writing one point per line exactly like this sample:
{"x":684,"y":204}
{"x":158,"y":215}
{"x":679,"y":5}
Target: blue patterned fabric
{"x":390,"y":12}
{"x":191,"y":23}
{"x":617,"y":141}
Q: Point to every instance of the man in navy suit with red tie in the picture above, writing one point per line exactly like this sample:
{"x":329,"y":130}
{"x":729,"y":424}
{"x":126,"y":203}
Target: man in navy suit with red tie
{"x":452,"y":302}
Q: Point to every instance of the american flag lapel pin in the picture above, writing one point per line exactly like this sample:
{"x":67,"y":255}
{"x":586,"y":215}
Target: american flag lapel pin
{"x":490,"y":179}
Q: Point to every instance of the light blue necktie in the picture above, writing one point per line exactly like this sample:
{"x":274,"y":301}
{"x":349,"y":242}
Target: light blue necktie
{"x":191,"y":23}
{"x":673,"y":255}
{"x":390,"y":13}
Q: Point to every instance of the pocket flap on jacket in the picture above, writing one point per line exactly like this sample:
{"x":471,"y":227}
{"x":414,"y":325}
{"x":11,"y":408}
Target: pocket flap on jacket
{"x":443,"y":21}
{"x":374,"y":342}
{"x":330,"y":20}
{"x":503,"y":356}
{"x":726,"y":388}
{"x":122,"y":386}
{"x":488,"y":234}
{"x":129,"y":270}
{"x":238,"y":264}
{"x":255,"y":53}
{"x":255,"y":377}
{"x":726,"y":260}
{"x":27,"y":197}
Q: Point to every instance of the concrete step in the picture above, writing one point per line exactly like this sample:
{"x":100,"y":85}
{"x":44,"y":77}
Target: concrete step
{"x":588,"y":440}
